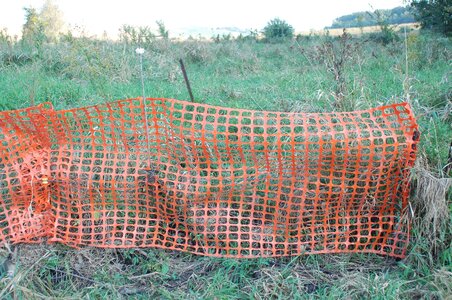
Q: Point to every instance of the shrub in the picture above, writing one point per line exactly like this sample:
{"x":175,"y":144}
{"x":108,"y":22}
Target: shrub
{"x":197,"y":52}
{"x":6,"y":39}
{"x":136,"y":36}
{"x":386,"y":36}
{"x":163,"y":32}
{"x":434,"y":14}
{"x":277,"y":30}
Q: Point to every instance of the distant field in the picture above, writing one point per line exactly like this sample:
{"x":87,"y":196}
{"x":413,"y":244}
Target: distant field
{"x":316,"y":74}
{"x":359,"y":30}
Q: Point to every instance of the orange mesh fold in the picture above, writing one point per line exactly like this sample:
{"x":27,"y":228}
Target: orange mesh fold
{"x":208,"y":180}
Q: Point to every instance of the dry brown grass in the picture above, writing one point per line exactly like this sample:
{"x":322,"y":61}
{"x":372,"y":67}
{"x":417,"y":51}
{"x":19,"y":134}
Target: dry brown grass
{"x":430,"y":205}
{"x":357,"y":30}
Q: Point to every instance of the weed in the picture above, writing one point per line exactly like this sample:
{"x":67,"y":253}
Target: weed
{"x":336,"y":56}
{"x":433,"y":222}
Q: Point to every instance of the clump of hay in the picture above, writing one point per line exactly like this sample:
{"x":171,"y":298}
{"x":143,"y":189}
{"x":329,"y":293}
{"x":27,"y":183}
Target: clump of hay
{"x":430,"y":203}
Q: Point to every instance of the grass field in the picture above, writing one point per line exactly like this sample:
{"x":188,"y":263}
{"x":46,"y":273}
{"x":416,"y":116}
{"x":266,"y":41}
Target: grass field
{"x":310,"y":74}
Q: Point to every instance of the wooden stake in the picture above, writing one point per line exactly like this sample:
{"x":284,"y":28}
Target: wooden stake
{"x":186,"y":79}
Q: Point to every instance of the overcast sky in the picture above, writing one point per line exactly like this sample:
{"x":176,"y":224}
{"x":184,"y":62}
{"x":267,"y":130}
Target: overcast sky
{"x":99,"y":15}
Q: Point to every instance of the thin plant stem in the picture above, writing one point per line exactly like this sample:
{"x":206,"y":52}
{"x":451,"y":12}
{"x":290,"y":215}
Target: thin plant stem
{"x":405,"y":82}
{"x":145,"y":105}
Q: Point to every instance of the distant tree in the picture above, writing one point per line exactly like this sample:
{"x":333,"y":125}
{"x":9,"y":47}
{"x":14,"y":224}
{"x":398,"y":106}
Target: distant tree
{"x":52,"y":20}
{"x":43,"y":25}
{"x":278,"y":29}
{"x":434,"y":14}
{"x":137,"y":36}
{"x":163,"y":32}
{"x":5,"y":38}
{"x":33,"y":29}
{"x":387,"y":34}
{"x":360,"y":22}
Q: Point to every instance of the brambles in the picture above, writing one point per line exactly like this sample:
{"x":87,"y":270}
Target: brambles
{"x":197,"y":52}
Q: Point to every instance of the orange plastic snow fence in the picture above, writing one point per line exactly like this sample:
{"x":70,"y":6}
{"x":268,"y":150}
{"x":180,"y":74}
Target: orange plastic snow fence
{"x":208,"y":180}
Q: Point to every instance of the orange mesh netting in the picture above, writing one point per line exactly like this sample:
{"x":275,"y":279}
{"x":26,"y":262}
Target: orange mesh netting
{"x":207,"y":180}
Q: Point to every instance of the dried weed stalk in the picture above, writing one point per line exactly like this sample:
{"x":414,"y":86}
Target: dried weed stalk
{"x":336,"y":56}
{"x":430,"y":203}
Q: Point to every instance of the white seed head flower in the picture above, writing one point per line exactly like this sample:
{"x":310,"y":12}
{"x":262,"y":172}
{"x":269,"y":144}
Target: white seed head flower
{"x":139,"y":50}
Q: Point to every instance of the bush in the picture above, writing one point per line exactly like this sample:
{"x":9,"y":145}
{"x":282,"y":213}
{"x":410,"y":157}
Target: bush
{"x":386,"y":36}
{"x":141,"y":36}
{"x":277,"y":30}
{"x":434,"y":14}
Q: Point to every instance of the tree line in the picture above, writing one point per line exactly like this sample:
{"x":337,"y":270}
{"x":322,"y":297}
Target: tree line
{"x":435,"y":15}
{"x":398,"y":15}
{"x":47,"y":24}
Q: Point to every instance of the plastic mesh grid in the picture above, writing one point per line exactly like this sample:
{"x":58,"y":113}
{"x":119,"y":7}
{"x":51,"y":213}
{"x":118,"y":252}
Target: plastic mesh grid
{"x":208,"y":180}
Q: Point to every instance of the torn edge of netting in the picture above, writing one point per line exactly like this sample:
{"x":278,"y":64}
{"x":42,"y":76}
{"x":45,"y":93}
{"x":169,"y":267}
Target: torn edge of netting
{"x":208,"y":180}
